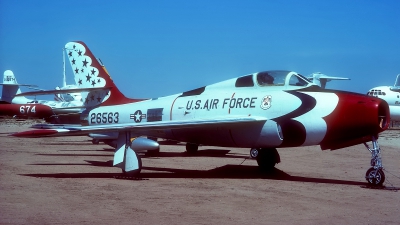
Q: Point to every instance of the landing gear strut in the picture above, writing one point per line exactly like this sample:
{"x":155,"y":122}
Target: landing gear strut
{"x":375,"y":175}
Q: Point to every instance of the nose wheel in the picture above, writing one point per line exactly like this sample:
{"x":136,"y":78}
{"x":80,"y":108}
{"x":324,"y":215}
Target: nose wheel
{"x":375,"y":175}
{"x":253,"y":153}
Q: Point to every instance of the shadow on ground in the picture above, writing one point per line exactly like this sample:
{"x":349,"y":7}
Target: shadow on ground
{"x":224,"y":172}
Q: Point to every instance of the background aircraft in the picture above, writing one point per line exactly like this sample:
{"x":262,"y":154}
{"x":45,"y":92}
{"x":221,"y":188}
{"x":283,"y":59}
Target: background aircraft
{"x":65,"y":109}
{"x":391,"y":94}
{"x":321,"y":79}
{"x":20,"y":107}
{"x":263,"y":111}
{"x":17,"y":105}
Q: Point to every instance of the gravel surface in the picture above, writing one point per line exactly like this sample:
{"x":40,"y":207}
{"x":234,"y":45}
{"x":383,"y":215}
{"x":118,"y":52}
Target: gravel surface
{"x":68,"y":180}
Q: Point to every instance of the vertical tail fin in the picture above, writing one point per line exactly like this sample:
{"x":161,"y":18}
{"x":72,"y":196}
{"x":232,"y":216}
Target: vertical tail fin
{"x":397,"y":82}
{"x":11,"y":88}
{"x":396,"y":86}
{"x":89,"y":72}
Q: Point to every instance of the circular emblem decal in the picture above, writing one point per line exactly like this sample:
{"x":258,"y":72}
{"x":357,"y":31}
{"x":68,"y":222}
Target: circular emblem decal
{"x":266,"y":102}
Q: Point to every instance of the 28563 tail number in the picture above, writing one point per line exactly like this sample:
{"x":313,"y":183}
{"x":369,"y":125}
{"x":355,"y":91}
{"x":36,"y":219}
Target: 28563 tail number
{"x":105,"y":117}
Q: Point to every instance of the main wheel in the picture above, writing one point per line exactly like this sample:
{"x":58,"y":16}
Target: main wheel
{"x":268,"y":158}
{"x":375,"y":180}
{"x":191,"y":148}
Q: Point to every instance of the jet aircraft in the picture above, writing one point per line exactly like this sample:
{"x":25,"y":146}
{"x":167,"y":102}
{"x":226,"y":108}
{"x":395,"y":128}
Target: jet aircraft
{"x":391,"y":94}
{"x":260,"y":111}
{"x":17,"y":106}
{"x":14,"y":102}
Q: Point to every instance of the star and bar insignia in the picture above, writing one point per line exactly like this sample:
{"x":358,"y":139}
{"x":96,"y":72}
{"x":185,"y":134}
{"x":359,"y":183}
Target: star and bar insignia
{"x":138,"y":116}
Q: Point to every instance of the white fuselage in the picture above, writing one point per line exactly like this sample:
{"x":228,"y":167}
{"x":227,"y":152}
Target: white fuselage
{"x":224,"y":100}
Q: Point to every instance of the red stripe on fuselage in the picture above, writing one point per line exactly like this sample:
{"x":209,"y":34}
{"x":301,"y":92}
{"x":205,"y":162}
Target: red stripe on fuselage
{"x":35,"y":133}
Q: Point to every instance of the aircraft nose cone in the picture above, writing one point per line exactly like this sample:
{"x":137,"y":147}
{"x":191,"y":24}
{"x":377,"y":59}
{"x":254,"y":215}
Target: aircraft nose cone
{"x":355,"y":120}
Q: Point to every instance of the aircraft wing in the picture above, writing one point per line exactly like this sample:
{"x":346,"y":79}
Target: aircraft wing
{"x":51,"y":130}
{"x":62,"y":91}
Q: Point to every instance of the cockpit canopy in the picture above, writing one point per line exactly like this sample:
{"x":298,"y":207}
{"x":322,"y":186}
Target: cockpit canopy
{"x":280,"y":78}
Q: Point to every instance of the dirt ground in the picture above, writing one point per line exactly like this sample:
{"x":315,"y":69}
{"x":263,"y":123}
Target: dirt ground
{"x":70,"y":181}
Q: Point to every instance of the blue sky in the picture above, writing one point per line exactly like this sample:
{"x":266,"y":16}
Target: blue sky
{"x":157,"y":48}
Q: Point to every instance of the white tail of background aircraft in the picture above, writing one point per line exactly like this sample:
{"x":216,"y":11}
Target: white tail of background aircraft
{"x":12,"y":88}
{"x":396,"y":86}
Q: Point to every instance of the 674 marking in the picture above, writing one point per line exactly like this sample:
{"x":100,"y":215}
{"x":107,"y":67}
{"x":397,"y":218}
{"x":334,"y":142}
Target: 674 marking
{"x":27,"y":109}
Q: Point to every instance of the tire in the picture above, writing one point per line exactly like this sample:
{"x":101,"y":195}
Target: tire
{"x":267,"y":159}
{"x":380,"y":177}
{"x":191,"y":148}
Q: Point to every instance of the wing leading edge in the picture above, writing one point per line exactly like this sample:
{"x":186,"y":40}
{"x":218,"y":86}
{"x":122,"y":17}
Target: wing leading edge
{"x":46,"y":130}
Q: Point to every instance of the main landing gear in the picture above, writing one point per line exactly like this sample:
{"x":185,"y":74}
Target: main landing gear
{"x":266,"y":158}
{"x":375,"y":175}
{"x":191,"y":148}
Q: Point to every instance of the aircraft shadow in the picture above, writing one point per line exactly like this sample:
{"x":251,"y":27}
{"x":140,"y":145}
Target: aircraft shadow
{"x":89,"y":163}
{"x":220,"y":153}
{"x":91,"y":150}
{"x":238,"y":172}
{"x":171,"y":143}
{"x":75,"y":155}
{"x":224,"y":172}
{"x":203,"y":153}
{"x":69,"y":143}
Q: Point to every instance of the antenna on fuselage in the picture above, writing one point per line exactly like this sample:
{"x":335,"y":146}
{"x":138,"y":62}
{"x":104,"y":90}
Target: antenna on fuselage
{"x":65,"y":79}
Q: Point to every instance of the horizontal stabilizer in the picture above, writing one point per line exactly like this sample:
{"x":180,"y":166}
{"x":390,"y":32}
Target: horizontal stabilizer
{"x":323,"y":76}
{"x":396,"y":89}
{"x":320,"y":79}
{"x":10,"y":80}
{"x":334,"y":78}
{"x":63,"y":91}
{"x":21,"y":85}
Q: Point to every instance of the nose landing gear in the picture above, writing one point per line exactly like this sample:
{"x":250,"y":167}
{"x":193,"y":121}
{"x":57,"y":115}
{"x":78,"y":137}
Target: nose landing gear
{"x":375,"y":175}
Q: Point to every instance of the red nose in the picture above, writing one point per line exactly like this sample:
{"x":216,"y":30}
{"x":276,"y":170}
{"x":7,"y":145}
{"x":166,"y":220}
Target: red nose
{"x":355,"y":120}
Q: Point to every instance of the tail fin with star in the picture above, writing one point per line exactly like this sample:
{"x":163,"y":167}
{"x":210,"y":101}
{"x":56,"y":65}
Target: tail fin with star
{"x":90,"y":72}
